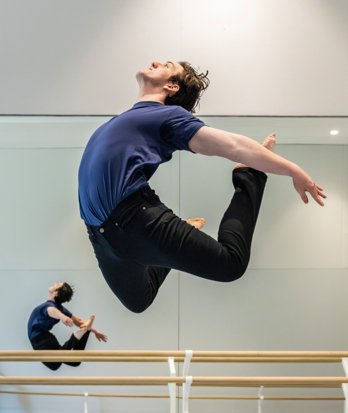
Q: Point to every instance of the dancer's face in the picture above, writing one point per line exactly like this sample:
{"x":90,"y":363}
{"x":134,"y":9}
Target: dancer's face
{"x":55,"y":287}
{"x":159,"y":73}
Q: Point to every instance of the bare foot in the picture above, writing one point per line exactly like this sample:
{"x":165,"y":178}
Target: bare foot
{"x":269,"y":143}
{"x":87,"y":325}
{"x":196,"y":222}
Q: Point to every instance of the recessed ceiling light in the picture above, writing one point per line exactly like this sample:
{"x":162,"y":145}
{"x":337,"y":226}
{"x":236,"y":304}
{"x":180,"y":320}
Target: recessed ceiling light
{"x":334,"y":132}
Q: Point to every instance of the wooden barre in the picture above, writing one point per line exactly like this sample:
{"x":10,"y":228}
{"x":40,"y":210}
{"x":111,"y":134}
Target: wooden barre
{"x":100,"y":359}
{"x":165,"y":396}
{"x":179,"y":356}
{"x":203,"y":381}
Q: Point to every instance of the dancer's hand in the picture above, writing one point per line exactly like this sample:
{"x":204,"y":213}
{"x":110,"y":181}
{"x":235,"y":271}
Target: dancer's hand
{"x":68,"y":321}
{"x":304,"y":183}
{"x":100,"y":336}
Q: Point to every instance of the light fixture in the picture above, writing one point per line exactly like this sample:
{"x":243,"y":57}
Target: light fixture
{"x":334,"y":132}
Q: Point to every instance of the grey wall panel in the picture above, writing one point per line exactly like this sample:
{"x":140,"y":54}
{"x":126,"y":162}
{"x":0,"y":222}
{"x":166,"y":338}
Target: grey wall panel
{"x":266,"y":309}
{"x":345,"y":214}
{"x":289,"y":233}
{"x":42,"y":228}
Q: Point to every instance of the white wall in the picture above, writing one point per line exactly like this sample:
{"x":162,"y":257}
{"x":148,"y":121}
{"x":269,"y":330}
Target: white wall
{"x":266,"y":57}
{"x":293,"y":297}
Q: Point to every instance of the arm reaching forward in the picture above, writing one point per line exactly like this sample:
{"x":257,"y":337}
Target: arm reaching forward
{"x":58,"y":315}
{"x":215,"y":142}
{"x":79,"y":322}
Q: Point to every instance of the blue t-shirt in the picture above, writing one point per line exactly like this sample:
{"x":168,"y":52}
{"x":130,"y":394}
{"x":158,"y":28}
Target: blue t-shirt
{"x":39,"y":320}
{"x":123,"y":154}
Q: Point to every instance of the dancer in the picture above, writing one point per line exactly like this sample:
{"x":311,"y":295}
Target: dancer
{"x":136,"y":238}
{"x":48,"y":314}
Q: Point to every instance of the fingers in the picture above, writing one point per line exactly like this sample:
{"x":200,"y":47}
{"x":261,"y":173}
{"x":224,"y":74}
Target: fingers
{"x":304,"y":197}
{"x":316,"y":191}
{"x":101,"y":336}
{"x":318,"y":200}
{"x":317,"y":194}
{"x":321,"y":193}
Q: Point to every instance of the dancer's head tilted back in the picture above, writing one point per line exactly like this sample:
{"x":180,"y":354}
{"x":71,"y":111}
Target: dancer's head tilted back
{"x":192,"y":84}
{"x":62,"y":292}
{"x":172,"y":83}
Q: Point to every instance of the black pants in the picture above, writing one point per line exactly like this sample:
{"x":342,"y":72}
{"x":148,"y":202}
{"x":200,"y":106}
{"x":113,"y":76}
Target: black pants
{"x":142,"y":240}
{"x":48,"y":341}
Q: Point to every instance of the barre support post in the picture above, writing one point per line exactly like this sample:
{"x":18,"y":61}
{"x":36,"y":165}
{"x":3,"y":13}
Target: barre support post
{"x":186,"y":387}
{"x":345,"y":385}
{"x":172,"y":386}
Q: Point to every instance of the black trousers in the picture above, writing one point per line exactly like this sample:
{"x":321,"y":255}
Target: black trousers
{"x":143,"y":239}
{"x":48,"y":341}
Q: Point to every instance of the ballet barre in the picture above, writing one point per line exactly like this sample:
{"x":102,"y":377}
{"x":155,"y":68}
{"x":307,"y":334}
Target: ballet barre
{"x":202,"y":381}
{"x":166,"y":396}
{"x":178,"y":356}
{"x":185,"y":380}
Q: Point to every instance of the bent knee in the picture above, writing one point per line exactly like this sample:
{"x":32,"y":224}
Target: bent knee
{"x":74,"y":364}
{"x":232,"y":277}
{"x":234,"y":273}
{"x":53,"y":366}
{"x":138,"y":307}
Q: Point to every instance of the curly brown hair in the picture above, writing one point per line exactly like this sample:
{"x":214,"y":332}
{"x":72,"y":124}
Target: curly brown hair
{"x":64,"y":293}
{"x":192,"y":85}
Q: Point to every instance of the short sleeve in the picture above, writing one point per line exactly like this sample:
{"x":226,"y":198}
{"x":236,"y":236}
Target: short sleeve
{"x":179,"y":128}
{"x":44,"y":310}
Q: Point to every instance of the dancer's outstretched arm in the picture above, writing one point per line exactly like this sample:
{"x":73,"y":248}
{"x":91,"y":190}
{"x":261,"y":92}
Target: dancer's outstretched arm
{"x":58,"y":315}
{"x":239,"y":148}
{"x":79,"y":322}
